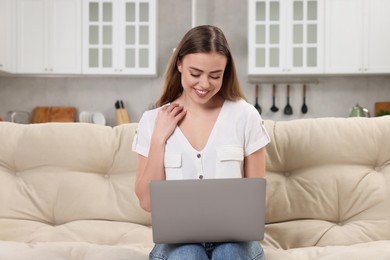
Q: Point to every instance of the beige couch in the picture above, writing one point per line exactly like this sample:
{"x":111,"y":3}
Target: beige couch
{"x":66,"y":191}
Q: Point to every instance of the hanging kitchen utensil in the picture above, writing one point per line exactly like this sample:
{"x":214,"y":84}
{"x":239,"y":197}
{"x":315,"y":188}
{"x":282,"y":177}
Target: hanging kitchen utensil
{"x":288,"y":109}
{"x":274,"y":108}
{"x":257,"y":106}
{"x":304,"y":106}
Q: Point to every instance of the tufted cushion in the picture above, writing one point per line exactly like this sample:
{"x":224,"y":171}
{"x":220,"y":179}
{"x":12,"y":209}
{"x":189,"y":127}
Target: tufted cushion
{"x":54,"y":176}
{"x":329,"y":182}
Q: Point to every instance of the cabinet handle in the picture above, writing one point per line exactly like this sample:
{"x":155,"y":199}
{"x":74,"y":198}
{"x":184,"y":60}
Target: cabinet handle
{"x":1,"y":65}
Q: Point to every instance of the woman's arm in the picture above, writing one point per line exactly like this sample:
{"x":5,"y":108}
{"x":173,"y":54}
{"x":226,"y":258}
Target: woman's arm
{"x":152,"y":167}
{"x":254,"y":164}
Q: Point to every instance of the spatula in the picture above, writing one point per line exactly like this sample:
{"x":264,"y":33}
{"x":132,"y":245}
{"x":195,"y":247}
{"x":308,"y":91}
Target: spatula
{"x":288,"y":109}
{"x":274,"y":108}
{"x":304,"y":106}
{"x":257,"y":106}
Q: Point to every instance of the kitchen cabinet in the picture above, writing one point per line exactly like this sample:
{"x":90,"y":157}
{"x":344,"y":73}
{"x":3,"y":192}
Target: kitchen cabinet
{"x":7,"y":35}
{"x":285,"y":37}
{"x":119,"y":37}
{"x":49,"y":36}
{"x":357,"y":36}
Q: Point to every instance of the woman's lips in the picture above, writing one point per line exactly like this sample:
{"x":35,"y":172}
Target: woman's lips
{"x":201,"y":92}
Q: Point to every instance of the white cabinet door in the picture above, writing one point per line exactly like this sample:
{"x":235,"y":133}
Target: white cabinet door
{"x":285,"y":37}
{"x":377,"y":38}
{"x":305,"y":37}
{"x":357,"y":36}
{"x":65,"y":36}
{"x":49,"y":36}
{"x":119,"y":37}
{"x":266,"y":37}
{"x":31,"y":37}
{"x":7,"y":36}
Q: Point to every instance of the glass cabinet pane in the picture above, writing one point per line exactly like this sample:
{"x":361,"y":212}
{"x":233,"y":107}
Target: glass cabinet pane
{"x":107,"y":12}
{"x":130,"y":12}
{"x":311,"y":57}
{"x":260,"y":11}
{"x":260,"y":34}
{"x":144,"y":12}
{"x":274,"y":34}
{"x":144,"y":34}
{"x":311,"y":33}
{"x":93,"y":58}
{"x":260,"y":57}
{"x":130,"y":34}
{"x":274,"y":11}
{"x":298,"y":33}
{"x":298,"y":57}
{"x":93,"y":12}
{"x":130,"y":58}
{"x":312,"y":10}
{"x":144,"y":58}
{"x":107,"y":34}
{"x":107,"y":58}
{"x":93,"y":34}
{"x":274,"y":57}
{"x":298,"y":10}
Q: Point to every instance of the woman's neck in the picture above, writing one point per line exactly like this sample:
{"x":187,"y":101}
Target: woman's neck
{"x":194,"y":108}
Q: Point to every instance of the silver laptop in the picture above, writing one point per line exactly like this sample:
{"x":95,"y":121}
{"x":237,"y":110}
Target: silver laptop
{"x":211,"y":210}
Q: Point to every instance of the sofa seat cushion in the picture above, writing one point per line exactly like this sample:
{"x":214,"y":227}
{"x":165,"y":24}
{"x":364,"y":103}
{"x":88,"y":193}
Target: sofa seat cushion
{"x":72,"y":250}
{"x":378,"y":250}
{"x":101,"y":232}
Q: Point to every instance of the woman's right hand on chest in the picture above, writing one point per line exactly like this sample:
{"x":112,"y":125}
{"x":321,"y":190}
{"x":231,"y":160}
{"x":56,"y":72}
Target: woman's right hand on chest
{"x":168,"y":118}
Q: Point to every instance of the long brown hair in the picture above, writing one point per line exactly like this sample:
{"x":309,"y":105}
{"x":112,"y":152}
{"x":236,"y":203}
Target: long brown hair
{"x":201,"y":39}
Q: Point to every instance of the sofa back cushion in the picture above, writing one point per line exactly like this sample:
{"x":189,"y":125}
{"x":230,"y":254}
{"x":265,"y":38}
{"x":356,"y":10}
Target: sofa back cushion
{"x":328,"y":181}
{"x":59,"y":172}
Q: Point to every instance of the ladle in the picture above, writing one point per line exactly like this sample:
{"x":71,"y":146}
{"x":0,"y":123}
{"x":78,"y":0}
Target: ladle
{"x":288,"y":109}
{"x":304,"y":106}
{"x":274,"y":108}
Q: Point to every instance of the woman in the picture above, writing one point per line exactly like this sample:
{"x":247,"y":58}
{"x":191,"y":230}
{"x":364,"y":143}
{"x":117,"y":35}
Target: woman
{"x":201,"y":116}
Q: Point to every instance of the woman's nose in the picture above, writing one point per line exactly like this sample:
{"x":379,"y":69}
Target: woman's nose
{"x":204,"y":81}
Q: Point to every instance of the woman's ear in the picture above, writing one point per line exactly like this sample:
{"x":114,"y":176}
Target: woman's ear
{"x":179,"y":66}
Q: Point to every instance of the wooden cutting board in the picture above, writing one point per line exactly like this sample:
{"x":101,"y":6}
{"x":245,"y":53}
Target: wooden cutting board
{"x":53,"y":114}
{"x":381,"y":106}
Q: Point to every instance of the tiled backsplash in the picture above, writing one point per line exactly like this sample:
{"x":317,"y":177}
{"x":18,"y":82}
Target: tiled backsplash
{"x":331,"y":96}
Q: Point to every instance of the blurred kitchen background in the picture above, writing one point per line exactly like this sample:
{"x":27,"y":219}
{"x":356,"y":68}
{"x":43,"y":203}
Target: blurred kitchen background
{"x":327,"y":95}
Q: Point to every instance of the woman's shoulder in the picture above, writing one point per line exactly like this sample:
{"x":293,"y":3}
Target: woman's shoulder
{"x":241,"y":105}
{"x":150,"y":115}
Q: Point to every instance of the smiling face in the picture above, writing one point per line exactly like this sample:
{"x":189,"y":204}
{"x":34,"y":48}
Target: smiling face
{"x":202,"y":76}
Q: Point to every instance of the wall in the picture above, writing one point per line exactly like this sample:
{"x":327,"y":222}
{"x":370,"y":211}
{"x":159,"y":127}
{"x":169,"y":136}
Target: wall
{"x":328,"y":96}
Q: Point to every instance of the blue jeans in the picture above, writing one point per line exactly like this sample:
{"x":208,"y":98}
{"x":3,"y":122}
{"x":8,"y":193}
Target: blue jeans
{"x":206,"y":251}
